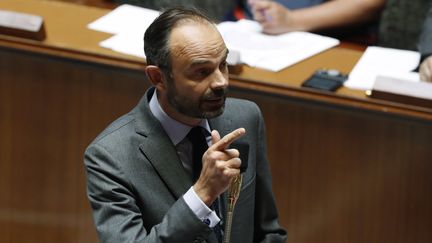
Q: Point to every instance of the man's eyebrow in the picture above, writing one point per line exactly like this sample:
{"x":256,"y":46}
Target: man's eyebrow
{"x":199,"y":62}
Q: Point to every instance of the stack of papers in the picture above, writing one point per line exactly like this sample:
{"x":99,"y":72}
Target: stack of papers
{"x":272,"y":52}
{"x":387,"y":62}
{"x":128,"y":24}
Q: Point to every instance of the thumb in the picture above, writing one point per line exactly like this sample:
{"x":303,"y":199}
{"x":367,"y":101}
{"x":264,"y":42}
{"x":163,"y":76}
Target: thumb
{"x":215,"y":136}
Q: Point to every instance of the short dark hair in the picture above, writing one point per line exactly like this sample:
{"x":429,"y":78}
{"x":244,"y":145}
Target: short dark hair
{"x":156,"y":37}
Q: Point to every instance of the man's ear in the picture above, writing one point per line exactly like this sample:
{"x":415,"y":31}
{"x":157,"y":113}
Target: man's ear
{"x":156,"y":76}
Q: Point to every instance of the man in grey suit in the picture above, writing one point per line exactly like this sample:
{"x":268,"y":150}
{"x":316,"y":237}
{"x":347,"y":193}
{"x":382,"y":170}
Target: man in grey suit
{"x":140,"y":169}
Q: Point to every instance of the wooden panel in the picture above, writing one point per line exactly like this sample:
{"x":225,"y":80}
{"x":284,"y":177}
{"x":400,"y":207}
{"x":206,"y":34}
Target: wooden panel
{"x":50,"y":110}
{"x":345,"y":175}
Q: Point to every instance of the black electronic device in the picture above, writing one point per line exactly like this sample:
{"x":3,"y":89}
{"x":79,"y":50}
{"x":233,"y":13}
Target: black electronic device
{"x":328,"y":80}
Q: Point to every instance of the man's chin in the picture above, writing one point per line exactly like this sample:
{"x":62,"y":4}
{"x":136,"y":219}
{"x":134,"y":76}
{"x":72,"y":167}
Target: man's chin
{"x":214,"y":113}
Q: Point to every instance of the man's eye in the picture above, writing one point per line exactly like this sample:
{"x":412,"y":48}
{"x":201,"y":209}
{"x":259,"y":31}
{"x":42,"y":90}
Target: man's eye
{"x":202,"y":72}
{"x":223,"y":65}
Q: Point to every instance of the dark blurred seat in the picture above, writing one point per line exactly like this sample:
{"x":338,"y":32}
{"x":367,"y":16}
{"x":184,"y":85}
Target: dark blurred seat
{"x":217,"y":10}
{"x":402,"y":23}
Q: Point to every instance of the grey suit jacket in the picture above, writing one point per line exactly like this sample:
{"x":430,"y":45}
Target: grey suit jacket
{"x":136,"y":182}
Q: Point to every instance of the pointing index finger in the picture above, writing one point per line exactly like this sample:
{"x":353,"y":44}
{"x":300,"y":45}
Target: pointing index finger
{"x":228,"y":139}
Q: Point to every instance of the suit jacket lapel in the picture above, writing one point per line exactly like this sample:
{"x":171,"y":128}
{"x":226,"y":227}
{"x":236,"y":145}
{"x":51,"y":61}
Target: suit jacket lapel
{"x":159,"y":150}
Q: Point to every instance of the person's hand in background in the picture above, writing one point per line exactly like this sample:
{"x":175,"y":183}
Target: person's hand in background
{"x":276,"y":18}
{"x":426,"y":69}
{"x":273,"y":17}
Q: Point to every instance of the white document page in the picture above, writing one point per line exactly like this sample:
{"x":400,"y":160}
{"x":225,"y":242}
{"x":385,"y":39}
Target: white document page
{"x":131,"y":44}
{"x":271,"y":52}
{"x":128,"y":23}
{"x":384,"y":62}
{"x":125,"y":19}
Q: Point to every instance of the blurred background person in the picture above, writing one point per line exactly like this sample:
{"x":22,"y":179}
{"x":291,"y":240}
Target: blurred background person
{"x":339,"y":18}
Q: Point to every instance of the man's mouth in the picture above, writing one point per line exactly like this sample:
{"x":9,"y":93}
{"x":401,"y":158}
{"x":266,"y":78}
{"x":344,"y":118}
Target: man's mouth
{"x":219,"y":101}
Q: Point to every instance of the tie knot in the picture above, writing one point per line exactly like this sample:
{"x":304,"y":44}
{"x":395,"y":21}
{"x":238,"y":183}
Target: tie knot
{"x":197,"y":135}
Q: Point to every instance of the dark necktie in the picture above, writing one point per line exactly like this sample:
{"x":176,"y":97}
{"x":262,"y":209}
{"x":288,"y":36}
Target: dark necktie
{"x":199,"y":146}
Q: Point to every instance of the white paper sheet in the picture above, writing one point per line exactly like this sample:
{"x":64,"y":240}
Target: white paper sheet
{"x":131,"y":44}
{"x":128,"y":24}
{"x":125,"y":19}
{"x":271,"y":52}
{"x":385,"y":62}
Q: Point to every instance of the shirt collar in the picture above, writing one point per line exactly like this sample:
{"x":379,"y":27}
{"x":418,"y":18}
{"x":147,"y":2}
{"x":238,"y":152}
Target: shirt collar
{"x":176,"y":130}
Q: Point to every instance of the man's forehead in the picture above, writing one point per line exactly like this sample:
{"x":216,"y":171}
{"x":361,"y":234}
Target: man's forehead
{"x":196,"y":38}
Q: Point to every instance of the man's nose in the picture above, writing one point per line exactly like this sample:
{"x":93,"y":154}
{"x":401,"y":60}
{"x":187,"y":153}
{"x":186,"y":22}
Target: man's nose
{"x":219,"y":80}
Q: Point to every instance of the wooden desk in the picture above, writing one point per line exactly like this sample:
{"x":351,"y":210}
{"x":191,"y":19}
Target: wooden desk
{"x":346,"y":168}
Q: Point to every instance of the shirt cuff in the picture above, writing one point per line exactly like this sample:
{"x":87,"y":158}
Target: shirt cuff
{"x":204,"y":213}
